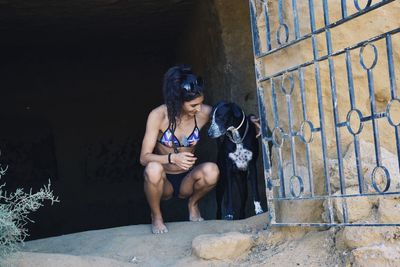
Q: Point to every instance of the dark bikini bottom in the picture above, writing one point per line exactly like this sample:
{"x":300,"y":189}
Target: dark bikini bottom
{"x":176,"y":180}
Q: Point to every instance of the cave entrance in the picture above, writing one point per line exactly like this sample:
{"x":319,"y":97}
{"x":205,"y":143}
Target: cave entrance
{"x":78,"y":80}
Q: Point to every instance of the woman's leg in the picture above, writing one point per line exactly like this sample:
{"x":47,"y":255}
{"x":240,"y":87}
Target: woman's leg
{"x":156,"y":188}
{"x":196,"y":184}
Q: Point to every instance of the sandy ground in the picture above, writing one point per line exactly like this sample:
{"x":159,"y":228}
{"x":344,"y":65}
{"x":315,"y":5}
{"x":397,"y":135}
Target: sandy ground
{"x":136,"y":246}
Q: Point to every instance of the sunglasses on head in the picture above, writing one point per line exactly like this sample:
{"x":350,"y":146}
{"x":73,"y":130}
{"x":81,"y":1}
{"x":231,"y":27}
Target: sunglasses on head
{"x":192,"y":83}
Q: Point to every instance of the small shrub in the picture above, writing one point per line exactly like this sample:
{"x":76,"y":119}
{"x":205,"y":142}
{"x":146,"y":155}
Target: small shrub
{"x":14,"y":210}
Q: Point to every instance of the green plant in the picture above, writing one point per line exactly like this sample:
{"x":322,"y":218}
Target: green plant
{"x":14,"y":210}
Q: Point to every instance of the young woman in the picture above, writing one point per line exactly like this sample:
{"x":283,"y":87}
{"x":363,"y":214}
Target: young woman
{"x":172,"y":132}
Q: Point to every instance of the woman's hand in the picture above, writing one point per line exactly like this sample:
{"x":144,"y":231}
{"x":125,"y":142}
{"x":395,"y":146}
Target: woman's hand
{"x":184,"y":160}
{"x":256,"y":122}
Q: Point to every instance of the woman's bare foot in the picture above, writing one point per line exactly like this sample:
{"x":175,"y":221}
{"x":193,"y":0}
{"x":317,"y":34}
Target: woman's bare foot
{"x":194,"y":213}
{"x":158,"y":226}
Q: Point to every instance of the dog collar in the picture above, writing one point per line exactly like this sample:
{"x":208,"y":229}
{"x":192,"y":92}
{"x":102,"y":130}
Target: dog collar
{"x":235,"y":136}
{"x":231,"y":128}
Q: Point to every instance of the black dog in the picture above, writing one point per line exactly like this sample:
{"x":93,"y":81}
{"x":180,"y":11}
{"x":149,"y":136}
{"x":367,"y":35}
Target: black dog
{"x":238,"y":150}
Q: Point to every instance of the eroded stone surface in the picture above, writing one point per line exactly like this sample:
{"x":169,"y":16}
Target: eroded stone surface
{"x":368,"y":164}
{"x":389,"y":210}
{"x":354,"y":237}
{"x":358,"y":208}
{"x":221,"y":246}
{"x":380,"y":255}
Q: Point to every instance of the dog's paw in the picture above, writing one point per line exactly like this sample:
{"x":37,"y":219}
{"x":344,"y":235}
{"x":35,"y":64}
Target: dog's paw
{"x":259,"y":212}
{"x":257,"y":207}
{"x":228,"y":217}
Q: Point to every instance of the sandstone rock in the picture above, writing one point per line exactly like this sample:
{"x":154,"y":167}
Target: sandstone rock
{"x":358,"y":208}
{"x":373,"y":256}
{"x":389,"y":210}
{"x":299,"y":211}
{"x":354,"y":237}
{"x":276,"y":236}
{"x":223,"y":246}
{"x":30,"y":259}
{"x":368,"y":163}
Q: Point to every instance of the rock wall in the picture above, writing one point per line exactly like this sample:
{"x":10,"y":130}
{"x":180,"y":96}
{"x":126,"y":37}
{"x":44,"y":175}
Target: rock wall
{"x":217,"y":42}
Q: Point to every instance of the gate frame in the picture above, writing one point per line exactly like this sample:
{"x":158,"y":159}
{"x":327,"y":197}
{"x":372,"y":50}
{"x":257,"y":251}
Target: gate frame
{"x":269,"y":181}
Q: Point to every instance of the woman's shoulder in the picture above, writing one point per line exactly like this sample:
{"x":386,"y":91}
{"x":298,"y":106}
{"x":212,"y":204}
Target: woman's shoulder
{"x":161,"y":110}
{"x":159,"y":113}
{"x":204,"y":114}
{"x":206,"y":109}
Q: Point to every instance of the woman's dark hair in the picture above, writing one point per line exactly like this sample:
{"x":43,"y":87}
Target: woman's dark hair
{"x":180,"y":85}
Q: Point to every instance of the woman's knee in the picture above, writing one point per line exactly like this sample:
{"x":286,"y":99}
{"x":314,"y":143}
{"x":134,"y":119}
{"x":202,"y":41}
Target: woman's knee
{"x":211,"y":173}
{"x":153,"y":172}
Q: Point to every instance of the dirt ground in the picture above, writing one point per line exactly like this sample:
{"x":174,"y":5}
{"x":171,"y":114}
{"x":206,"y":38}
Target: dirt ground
{"x":136,"y":246}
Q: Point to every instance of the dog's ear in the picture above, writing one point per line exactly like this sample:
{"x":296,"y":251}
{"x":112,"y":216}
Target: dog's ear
{"x":220,"y":103}
{"x":217,"y":105}
{"x":236,"y":110}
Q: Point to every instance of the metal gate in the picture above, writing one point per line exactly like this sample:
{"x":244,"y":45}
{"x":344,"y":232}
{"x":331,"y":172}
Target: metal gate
{"x":333,"y":112}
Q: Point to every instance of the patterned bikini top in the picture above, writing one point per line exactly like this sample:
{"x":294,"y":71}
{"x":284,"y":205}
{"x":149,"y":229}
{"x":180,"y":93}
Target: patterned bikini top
{"x":168,"y":137}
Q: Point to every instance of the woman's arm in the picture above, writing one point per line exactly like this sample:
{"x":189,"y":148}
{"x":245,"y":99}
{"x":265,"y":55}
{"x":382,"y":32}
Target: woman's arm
{"x":150,"y":139}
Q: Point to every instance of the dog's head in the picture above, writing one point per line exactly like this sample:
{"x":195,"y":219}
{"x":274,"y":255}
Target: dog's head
{"x":223,"y":116}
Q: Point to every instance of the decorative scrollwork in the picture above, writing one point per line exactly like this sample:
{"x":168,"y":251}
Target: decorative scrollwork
{"x":301,"y":186}
{"x":354,"y":115}
{"x":287,"y":91}
{"x":306,"y":132}
{"x":387,"y":177}
{"x":278,"y":34}
{"x":362,"y":60}
{"x":392,"y":105}
{"x":357,"y":5}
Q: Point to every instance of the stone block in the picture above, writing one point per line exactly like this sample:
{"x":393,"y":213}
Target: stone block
{"x":221,"y":246}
